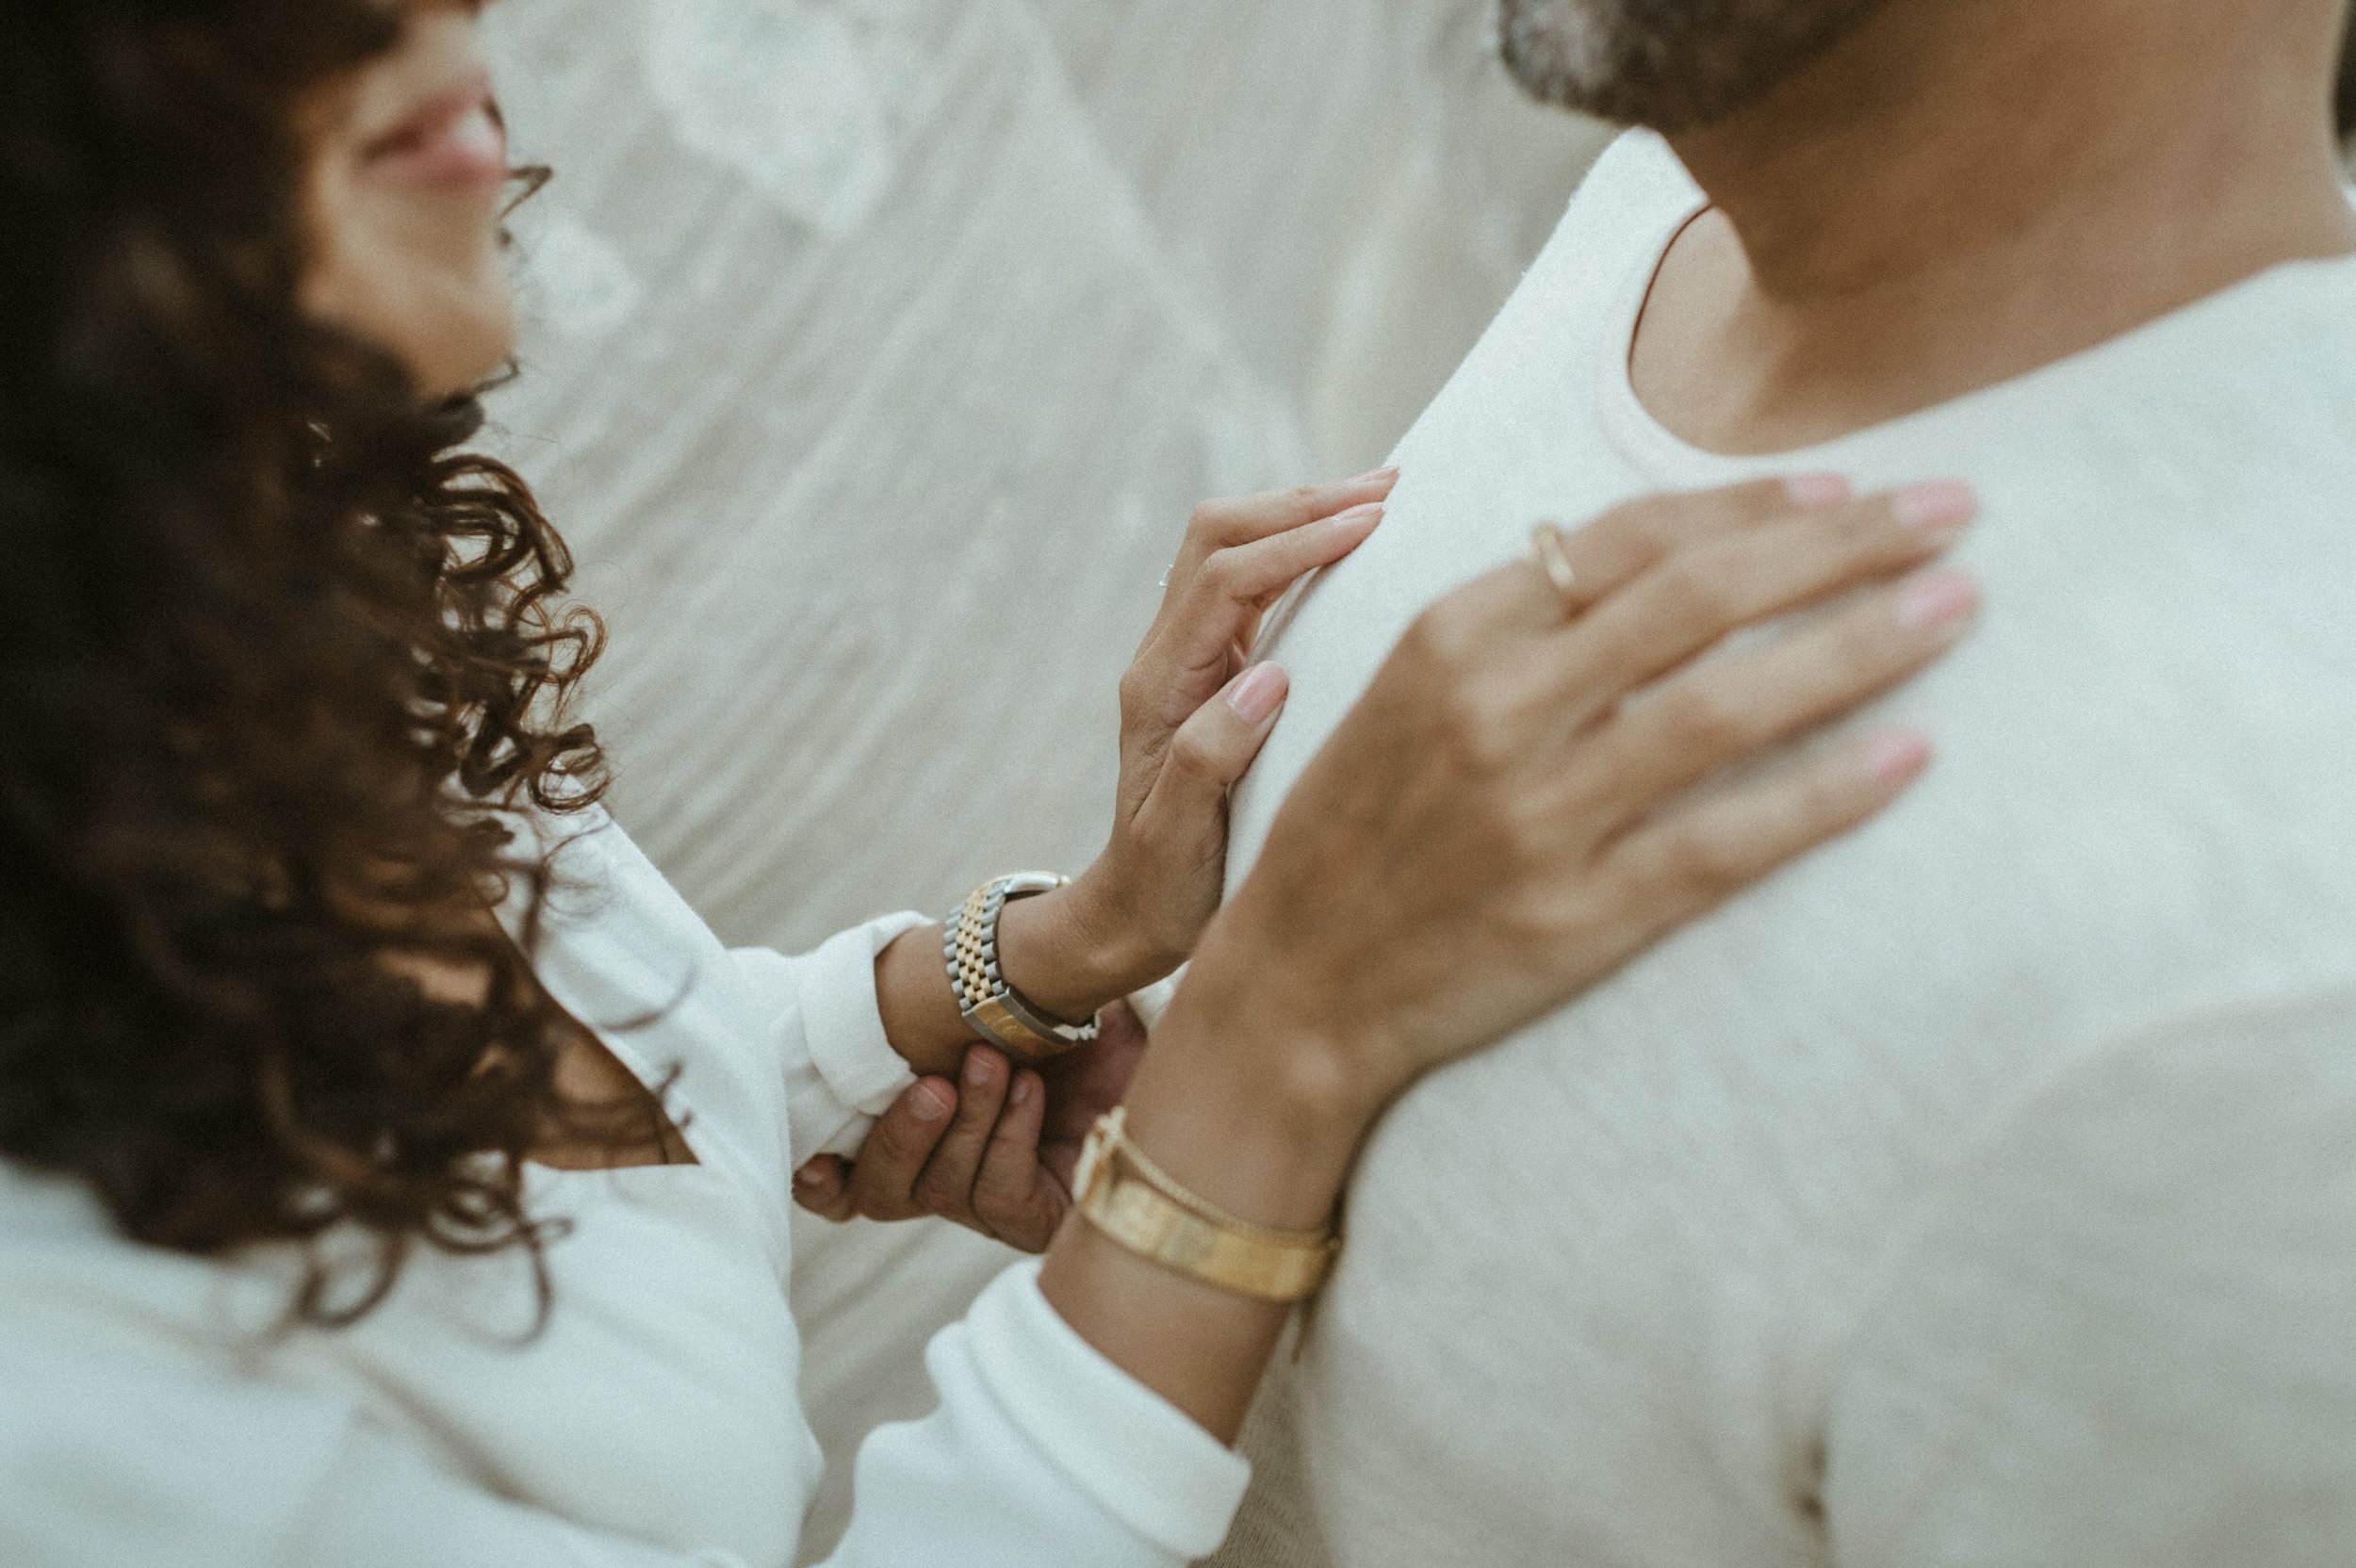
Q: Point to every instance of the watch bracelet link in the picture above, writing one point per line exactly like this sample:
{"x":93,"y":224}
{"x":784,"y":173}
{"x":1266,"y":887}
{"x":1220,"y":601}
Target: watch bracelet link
{"x":992,"y":1007}
{"x":1135,"y":1202}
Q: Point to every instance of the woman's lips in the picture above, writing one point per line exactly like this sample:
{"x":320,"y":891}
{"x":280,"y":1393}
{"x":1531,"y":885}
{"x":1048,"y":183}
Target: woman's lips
{"x":456,"y":141}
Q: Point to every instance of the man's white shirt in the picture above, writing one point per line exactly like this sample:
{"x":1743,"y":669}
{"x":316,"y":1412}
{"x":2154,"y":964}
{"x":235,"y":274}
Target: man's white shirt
{"x":1983,"y":1190}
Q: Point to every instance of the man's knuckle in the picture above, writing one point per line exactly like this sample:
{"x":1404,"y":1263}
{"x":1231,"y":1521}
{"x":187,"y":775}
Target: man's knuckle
{"x":894,"y":1143}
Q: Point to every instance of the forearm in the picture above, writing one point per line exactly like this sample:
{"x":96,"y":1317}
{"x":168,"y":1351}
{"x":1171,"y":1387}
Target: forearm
{"x":1260,"y":1128}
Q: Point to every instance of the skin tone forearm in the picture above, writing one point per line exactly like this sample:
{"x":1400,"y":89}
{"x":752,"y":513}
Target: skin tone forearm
{"x":1263,"y":1128}
{"x":1275,"y":1153}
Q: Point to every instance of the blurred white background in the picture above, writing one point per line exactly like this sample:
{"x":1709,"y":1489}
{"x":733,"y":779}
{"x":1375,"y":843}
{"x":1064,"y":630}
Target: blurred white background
{"x":877,"y":351}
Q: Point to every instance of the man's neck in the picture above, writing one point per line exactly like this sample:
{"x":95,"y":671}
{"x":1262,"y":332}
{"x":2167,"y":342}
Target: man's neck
{"x":1963,"y":190}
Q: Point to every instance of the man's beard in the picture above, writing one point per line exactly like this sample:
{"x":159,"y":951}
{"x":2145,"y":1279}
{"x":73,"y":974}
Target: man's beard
{"x":1672,"y":65}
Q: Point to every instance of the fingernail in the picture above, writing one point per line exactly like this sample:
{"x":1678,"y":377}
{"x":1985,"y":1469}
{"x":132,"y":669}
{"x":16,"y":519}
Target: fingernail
{"x":1257,"y":694}
{"x":980,"y":1072}
{"x":930,"y":1102}
{"x":1021,"y":1093}
{"x":1375,"y":475}
{"x":1940,"y":599}
{"x":1941,"y":503}
{"x":1367,"y":515}
{"x":806,"y":1177}
{"x":1894,"y":758}
{"x":1817,"y":489}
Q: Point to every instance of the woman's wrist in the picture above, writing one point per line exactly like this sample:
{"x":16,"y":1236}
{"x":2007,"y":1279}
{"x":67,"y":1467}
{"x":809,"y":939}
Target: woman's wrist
{"x":1071,"y":952}
{"x":1263,"y":1126}
{"x":1258,"y":1113}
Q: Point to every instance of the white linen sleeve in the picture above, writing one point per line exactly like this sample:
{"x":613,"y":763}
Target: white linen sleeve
{"x":2122,"y":1336}
{"x":114,"y":1451}
{"x":384,"y":1506}
{"x":840,"y":1073}
{"x":625,"y":945}
{"x":1041,"y":1453}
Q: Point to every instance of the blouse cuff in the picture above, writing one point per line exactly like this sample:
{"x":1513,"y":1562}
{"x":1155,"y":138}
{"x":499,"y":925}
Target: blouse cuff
{"x":844,"y":1020}
{"x":1131,"y":1451}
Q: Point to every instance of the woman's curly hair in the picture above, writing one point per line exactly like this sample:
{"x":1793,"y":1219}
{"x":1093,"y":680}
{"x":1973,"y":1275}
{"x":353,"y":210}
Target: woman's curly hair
{"x":273,"y":652}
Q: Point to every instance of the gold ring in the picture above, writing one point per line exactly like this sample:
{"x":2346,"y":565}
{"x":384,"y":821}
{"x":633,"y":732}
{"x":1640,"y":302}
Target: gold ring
{"x":1551,"y":548}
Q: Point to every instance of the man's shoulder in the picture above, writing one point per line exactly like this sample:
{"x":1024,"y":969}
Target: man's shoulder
{"x":1637,"y":184}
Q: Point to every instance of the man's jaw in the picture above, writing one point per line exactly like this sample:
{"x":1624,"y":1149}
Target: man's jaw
{"x":1669,"y":65}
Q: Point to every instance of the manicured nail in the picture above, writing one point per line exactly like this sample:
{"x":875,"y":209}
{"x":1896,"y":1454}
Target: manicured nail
{"x":1939,"y":599}
{"x":1257,"y":694}
{"x":980,"y":1072}
{"x":1021,"y":1093}
{"x":1374,"y":476}
{"x":1941,"y":503}
{"x":1817,"y":489}
{"x":1894,"y":758}
{"x":1357,"y":517}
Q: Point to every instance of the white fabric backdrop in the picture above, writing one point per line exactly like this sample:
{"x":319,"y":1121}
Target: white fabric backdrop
{"x":875,"y":353}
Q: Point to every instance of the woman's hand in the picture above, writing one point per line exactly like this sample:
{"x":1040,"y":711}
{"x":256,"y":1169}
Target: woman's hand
{"x":1194,"y":713}
{"x":1512,"y":810}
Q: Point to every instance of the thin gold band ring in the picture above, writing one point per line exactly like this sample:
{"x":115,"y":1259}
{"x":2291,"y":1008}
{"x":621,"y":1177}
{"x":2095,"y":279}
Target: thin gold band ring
{"x":1549,"y":547}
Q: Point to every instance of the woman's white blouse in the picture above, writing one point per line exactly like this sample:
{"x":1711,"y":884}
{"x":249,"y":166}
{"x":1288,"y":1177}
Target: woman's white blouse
{"x":154,"y":1412}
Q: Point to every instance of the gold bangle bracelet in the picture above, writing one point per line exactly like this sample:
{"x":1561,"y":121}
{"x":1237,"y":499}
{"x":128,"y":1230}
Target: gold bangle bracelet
{"x":1135,"y":1203}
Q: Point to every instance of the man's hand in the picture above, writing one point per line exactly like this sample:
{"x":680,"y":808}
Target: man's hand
{"x":995,"y":1154}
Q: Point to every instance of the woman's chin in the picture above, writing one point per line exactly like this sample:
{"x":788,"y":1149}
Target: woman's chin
{"x":464,"y":353}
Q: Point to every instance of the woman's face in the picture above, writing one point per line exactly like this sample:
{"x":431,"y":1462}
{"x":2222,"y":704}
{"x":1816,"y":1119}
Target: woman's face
{"x":407,"y":171}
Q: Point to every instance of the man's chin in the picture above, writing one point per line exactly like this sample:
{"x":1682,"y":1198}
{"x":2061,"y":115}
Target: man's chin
{"x":1667,"y":65}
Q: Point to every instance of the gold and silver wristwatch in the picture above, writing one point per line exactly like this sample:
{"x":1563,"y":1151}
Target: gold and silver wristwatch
{"x":993,"y":1008}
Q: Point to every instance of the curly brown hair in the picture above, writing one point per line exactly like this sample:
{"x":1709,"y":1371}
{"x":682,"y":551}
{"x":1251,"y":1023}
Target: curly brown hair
{"x":274,"y":655}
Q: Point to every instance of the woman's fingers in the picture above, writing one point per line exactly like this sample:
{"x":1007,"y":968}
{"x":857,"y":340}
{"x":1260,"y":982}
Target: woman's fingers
{"x":1213,"y":747}
{"x":1689,"y":860}
{"x":1219,"y":525}
{"x":946,"y":1186}
{"x":1724,"y":711}
{"x":1212,"y":618}
{"x":882,"y":1180}
{"x":1698,"y":593}
{"x":1630,"y":540}
{"x":1249,"y":575}
{"x":1013,"y":1197}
